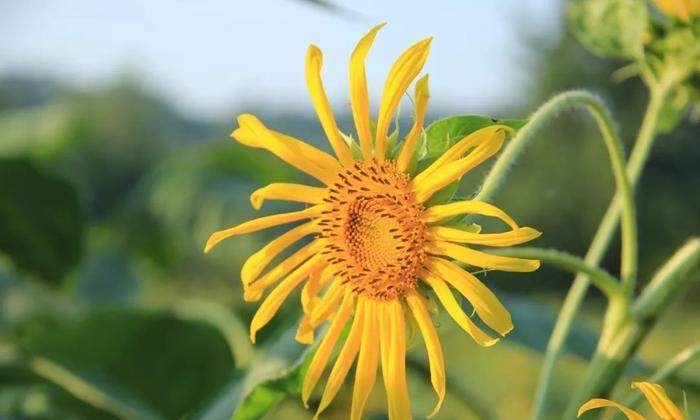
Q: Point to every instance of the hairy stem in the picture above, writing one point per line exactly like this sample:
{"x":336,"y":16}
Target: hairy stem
{"x":599,"y":245}
{"x":623,"y":201}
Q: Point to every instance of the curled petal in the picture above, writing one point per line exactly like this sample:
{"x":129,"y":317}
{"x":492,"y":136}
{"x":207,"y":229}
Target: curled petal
{"x":287,"y":192}
{"x":510,"y":238}
{"x":452,"y":307}
{"x":485,"y":303}
{"x":257,"y":262}
{"x":603,"y":403}
{"x":323,"y":353}
{"x":404,"y":70}
{"x":366,"y":370}
{"x":659,"y":401}
{"x":272,"y":303}
{"x":451,"y":166}
{"x":436,"y":213}
{"x":253,"y":290}
{"x":358,"y":91}
{"x":262,"y":223}
{"x":314,"y":62}
{"x":253,"y":133}
{"x":482,"y":259}
{"x":432,"y":345}
{"x":345,"y":359}
{"x":421,"y":98}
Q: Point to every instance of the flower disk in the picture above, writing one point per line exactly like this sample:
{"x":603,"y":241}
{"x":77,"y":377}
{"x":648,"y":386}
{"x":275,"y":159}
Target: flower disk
{"x":373,"y":230}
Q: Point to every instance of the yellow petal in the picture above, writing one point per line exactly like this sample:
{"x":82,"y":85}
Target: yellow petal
{"x":314,"y":62}
{"x":316,"y":282}
{"x":263,"y":223}
{"x":344,"y":361}
{"x":432,"y":345}
{"x":436,"y":213}
{"x":383,"y":315}
{"x":659,"y":401}
{"x":482,"y":259}
{"x":253,"y":291}
{"x":321,"y":312}
{"x":404,"y":70}
{"x":366,"y":370}
{"x":274,"y":300}
{"x":253,"y":133}
{"x":510,"y":238}
{"x":325,"y":348}
{"x":680,"y":9}
{"x":395,"y":367}
{"x":358,"y":91}
{"x":452,"y":307}
{"x":485,"y":303}
{"x":421,"y":99}
{"x":451,"y":166}
{"x":257,"y":262}
{"x":603,"y":403}
{"x":287,"y":192}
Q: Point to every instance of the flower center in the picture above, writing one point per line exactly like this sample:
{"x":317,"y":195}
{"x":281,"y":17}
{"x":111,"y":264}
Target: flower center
{"x":373,"y":230}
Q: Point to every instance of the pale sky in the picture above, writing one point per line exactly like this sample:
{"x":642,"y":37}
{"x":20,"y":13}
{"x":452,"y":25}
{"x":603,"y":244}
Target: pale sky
{"x":211,"y":56}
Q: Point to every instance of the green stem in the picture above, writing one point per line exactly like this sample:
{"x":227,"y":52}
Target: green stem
{"x":610,"y":360}
{"x":593,"y":104}
{"x":599,"y":245}
{"x":677,"y":363}
{"x":601,"y":279}
{"x":623,"y":201}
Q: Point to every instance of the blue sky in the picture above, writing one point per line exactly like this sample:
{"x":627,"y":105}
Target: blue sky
{"x":211,"y":56}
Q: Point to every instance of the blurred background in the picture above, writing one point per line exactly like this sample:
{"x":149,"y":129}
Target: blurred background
{"x":115,"y":166}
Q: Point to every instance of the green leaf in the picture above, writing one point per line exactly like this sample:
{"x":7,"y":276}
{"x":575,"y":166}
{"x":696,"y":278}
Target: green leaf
{"x":266,"y":383}
{"x":442,"y":134}
{"x":42,"y":226}
{"x":609,"y":28}
{"x":267,"y":394}
{"x":148,"y":362}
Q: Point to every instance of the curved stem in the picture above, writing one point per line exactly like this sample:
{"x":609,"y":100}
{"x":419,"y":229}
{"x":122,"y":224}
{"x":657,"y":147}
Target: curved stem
{"x":590,"y":102}
{"x":599,"y":245}
{"x":601,"y":279}
{"x":623,"y":196}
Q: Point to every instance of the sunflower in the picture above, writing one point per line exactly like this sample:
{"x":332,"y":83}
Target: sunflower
{"x":654,"y":394}
{"x":377,"y":247}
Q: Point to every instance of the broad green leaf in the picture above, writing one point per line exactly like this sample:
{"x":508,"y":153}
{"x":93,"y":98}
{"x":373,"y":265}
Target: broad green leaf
{"x":42,"y":226}
{"x":609,"y":28}
{"x":150,"y":362}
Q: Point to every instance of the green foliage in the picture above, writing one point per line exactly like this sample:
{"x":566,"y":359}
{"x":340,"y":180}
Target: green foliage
{"x":150,"y":362}
{"x":268,"y":393}
{"x":42,"y":220}
{"x":610,"y":28}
